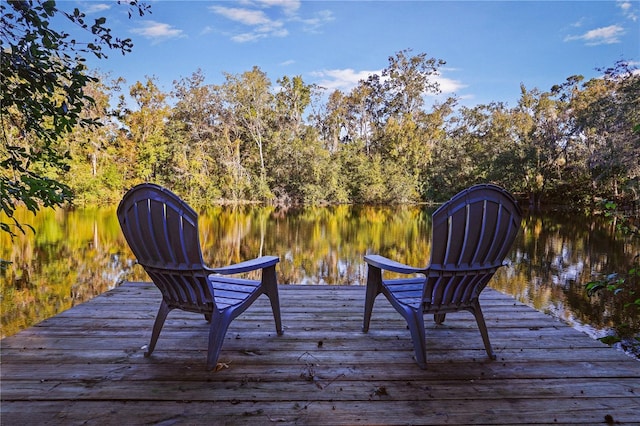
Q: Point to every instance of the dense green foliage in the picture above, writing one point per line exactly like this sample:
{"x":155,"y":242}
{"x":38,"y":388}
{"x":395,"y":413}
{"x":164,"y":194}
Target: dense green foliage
{"x":249,"y":139}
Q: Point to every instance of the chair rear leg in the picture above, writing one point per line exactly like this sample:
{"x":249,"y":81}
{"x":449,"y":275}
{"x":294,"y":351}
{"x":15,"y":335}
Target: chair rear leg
{"x":157,"y":327}
{"x":270,"y":288}
{"x":477,"y":312}
{"x":374,"y":284}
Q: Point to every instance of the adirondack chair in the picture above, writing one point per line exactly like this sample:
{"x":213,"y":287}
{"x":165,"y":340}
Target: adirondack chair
{"x":471,"y":236}
{"x":162,"y":231}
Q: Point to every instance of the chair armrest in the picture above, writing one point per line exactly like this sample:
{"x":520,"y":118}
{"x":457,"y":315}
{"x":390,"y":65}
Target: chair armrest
{"x":391,"y":265}
{"x":246,"y":266}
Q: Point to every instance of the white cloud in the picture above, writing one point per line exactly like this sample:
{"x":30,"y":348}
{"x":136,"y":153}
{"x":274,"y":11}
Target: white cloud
{"x":244,"y":16}
{"x":579,"y":23}
{"x":157,"y":31}
{"x":467,"y":97}
{"x":312,"y":25}
{"x":246,"y":37}
{"x":447,"y":85}
{"x":262,"y":25}
{"x":604,"y":35}
{"x":96,"y":8}
{"x":290,"y":7}
{"x":628,"y":10}
{"x":252,"y":14}
{"x":344,"y":79}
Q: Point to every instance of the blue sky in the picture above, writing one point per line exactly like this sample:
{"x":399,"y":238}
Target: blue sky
{"x":490,"y":48}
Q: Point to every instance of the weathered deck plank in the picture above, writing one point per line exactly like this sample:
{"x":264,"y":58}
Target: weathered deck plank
{"x":86,"y":366}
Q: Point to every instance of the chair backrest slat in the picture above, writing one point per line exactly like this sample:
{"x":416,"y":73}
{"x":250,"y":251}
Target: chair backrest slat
{"x":477,"y":236}
{"x":159,"y":250}
{"x":491,"y":233}
{"x":471,"y":236}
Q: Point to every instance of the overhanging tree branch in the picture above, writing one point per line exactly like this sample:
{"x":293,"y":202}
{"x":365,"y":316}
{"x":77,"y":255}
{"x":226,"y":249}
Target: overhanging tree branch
{"x":43,"y":77}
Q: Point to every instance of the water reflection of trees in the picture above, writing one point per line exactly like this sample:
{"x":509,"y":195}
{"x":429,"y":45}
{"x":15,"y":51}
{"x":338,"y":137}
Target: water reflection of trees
{"x":556,"y":255}
{"x":72,"y":257}
{"x":76,"y":255}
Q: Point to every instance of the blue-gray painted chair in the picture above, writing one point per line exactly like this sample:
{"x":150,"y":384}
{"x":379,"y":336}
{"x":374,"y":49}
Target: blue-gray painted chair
{"x":471,"y":237}
{"x":162,"y":231}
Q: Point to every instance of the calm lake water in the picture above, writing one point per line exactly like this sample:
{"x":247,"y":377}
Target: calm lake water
{"x":78,"y":254}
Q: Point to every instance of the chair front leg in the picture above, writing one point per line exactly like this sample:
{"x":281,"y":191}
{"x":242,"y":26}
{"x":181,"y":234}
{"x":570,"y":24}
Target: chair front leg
{"x":415,"y":321}
{"x":374,"y":287}
{"x":220,"y":322}
{"x":270,"y":288}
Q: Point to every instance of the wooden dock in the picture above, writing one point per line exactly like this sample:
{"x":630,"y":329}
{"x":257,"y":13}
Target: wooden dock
{"x":86,"y":366}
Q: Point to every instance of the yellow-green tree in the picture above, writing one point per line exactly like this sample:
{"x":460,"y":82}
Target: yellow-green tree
{"x":146,"y":129}
{"x":249,"y":99}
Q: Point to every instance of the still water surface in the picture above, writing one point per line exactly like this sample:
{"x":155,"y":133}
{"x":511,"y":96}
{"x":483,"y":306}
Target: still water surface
{"x":78,"y":254}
